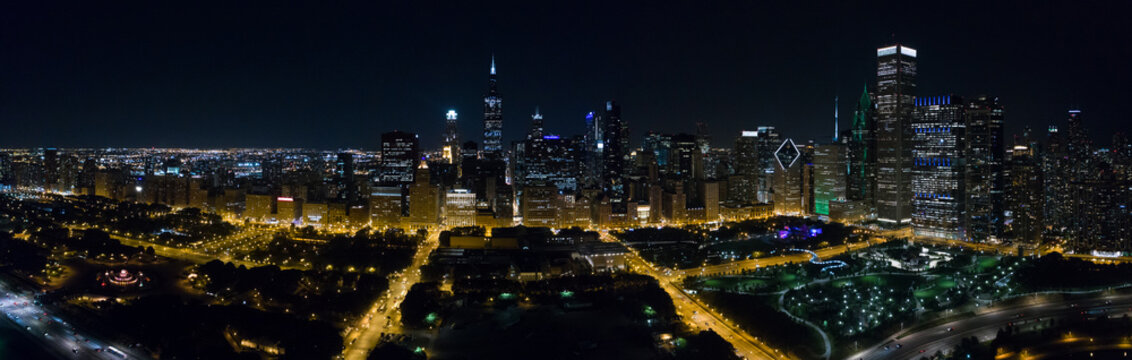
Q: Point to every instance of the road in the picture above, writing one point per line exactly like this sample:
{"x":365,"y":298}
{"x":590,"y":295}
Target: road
{"x":695,"y":313}
{"x":383,"y":316}
{"x":55,"y":334}
{"x":797,"y":257}
{"x":985,"y":325}
{"x":190,"y":255}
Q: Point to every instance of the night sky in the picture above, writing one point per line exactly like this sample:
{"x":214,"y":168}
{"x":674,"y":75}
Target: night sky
{"x":191,"y":74}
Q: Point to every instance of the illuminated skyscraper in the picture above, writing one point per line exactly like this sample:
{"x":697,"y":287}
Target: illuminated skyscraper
{"x":985,"y":172}
{"x":788,"y":179}
{"x":743,"y":186}
{"x":896,"y":90}
{"x":399,"y":153}
{"x":613,"y":155}
{"x":768,"y":141}
{"x":492,"y":118}
{"x":829,"y":176}
{"x":450,"y":147}
{"x":1024,"y":192}
{"x":861,"y":183}
{"x":937,"y":144}
{"x":344,"y":173}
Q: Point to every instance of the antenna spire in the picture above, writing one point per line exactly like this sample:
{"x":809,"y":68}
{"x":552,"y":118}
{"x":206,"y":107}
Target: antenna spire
{"x":835,"y":108}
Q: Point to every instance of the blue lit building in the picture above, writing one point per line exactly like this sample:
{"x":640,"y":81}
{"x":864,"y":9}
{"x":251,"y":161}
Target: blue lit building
{"x":938,"y":139}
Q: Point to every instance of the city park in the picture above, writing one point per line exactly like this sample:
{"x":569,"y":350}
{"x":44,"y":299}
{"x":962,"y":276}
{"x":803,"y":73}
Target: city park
{"x":860,"y":298}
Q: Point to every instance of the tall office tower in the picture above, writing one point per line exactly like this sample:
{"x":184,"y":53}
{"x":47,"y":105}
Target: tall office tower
{"x":450,"y":147}
{"x":830,"y":164}
{"x":703,"y":138}
{"x":985,"y":172}
{"x":344,"y":176}
{"x":591,"y":152}
{"x":613,"y":156}
{"x":1057,"y":208}
{"x":1077,"y":142}
{"x":562,"y":162}
{"x":1024,"y":193}
{"x":768,"y":142}
{"x":492,"y":118}
{"x":807,"y":161}
{"x":862,"y":151}
{"x":50,"y":169}
{"x":896,"y":90}
{"x":659,"y":153}
{"x":744,"y":185}
{"x":683,"y":157}
{"x":424,"y":199}
{"x":534,"y":157}
{"x":400,"y":151}
{"x":788,"y":179}
{"x":937,"y":144}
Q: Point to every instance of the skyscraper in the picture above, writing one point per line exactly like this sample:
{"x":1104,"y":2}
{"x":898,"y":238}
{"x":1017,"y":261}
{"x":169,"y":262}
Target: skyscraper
{"x":768,"y":141}
{"x":450,"y":147}
{"x":1024,"y":193}
{"x":613,"y":153}
{"x":829,"y":176}
{"x":788,"y":179}
{"x":344,"y":173}
{"x":937,"y":145}
{"x":743,"y":186}
{"x":861,"y":183}
{"x":896,"y":90}
{"x":492,"y":118}
{"x":985,"y":181}
{"x":399,"y":153}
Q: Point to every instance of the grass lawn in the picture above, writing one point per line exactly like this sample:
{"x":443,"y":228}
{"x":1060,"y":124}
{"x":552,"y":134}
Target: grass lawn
{"x":937,"y":286}
{"x":984,"y":263}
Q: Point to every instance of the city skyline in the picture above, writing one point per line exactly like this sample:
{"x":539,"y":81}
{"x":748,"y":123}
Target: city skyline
{"x":135,"y":89}
{"x":344,"y":181}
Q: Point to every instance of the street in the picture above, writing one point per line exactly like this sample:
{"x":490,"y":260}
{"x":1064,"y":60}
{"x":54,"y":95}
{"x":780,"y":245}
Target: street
{"x":383,"y":315}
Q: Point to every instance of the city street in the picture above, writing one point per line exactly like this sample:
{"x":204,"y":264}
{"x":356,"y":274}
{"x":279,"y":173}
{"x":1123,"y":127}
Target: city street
{"x":383,"y":316}
{"x":696,"y":314}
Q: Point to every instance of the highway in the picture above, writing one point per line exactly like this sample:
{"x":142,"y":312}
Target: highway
{"x":55,"y":334}
{"x":383,"y":316}
{"x":985,"y":325}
